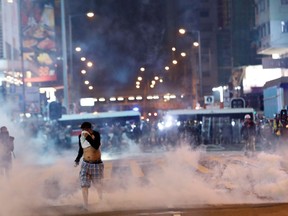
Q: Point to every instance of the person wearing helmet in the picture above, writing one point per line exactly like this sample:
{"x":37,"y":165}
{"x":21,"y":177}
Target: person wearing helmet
{"x":247,"y":116}
{"x":248,"y":133}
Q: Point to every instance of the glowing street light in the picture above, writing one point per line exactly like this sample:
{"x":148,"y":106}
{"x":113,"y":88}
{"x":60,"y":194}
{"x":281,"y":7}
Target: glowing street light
{"x":78,"y":49}
{"x":90,"y":14}
{"x":89,"y":64}
{"x":196,"y":44}
{"x":182,"y":31}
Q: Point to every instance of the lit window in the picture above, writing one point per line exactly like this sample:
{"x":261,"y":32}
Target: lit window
{"x":284,"y":26}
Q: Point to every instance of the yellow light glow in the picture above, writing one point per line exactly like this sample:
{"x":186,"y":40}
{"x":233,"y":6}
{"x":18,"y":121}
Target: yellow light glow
{"x":196,"y":44}
{"x":182,"y":31}
{"x":90,"y":14}
{"x":89,"y":64}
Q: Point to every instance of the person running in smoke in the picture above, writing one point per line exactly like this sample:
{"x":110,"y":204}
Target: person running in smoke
{"x":248,"y":132}
{"x":92,"y":167}
{"x":6,"y":150}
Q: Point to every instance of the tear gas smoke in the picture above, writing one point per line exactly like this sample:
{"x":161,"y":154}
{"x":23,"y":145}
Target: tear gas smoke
{"x":45,"y":177}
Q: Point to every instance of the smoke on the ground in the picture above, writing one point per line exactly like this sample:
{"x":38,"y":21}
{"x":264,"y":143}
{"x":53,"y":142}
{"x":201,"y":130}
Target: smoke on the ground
{"x":44,"y":177}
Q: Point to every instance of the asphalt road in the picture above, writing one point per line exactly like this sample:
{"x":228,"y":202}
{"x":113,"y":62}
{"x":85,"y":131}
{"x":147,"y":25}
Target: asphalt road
{"x":269,"y":209}
{"x":136,"y":167}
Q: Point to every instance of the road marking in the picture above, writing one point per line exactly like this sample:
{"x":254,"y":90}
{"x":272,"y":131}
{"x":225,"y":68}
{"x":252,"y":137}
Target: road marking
{"x":136,"y":169}
{"x":198,"y":167}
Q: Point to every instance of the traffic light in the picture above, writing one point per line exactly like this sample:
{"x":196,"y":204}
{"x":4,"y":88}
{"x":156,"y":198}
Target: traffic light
{"x":237,"y":103}
{"x":55,"y":110}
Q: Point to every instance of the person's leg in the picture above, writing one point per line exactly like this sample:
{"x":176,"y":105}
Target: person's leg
{"x":85,"y":196}
{"x":99,"y":188}
{"x":97,"y":179}
{"x":246,"y":147}
{"x":85,"y":181}
{"x":254,"y":144}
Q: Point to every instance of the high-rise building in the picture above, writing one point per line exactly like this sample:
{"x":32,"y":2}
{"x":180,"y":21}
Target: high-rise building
{"x":236,"y":37}
{"x":227,"y":39}
{"x":272,"y":28}
{"x":272,"y":42}
{"x":10,"y":59}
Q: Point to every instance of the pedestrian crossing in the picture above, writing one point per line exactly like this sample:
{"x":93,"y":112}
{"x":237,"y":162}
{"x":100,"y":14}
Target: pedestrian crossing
{"x":210,"y":167}
{"x":138,"y":168}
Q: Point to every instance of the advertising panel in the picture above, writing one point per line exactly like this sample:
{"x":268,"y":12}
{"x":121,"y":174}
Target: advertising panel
{"x":38,"y":40}
{"x":256,"y":76}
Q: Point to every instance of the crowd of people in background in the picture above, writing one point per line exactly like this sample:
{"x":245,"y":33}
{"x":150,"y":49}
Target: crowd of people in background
{"x":250,"y":134}
{"x":117,"y":136}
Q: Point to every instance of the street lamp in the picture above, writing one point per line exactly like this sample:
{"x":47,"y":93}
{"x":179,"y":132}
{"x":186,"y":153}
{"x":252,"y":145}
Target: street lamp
{"x":89,"y":15}
{"x":197,"y":44}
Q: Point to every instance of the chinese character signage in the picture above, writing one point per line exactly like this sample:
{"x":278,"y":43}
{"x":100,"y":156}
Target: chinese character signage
{"x":38,"y":40}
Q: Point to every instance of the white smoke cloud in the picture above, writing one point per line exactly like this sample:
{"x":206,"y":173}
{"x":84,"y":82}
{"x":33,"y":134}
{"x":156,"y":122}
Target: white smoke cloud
{"x":46,"y":178}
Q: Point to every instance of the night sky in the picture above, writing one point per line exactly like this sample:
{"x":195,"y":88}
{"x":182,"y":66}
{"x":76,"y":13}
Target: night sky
{"x":123,"y":36}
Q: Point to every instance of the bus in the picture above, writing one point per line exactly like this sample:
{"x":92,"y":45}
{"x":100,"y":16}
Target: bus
{"x":210,"y":126}
{"x":102,"y":121}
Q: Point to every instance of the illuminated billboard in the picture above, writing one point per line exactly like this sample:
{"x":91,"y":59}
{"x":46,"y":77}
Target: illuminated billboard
{"x":256,"y":76}
{"x":38,"y":40}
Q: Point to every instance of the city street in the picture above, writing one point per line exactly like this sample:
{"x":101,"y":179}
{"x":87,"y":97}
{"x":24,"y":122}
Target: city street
{"x":175,"y":107}
{"x":217,"y":210}
{"x":177,"y":182}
